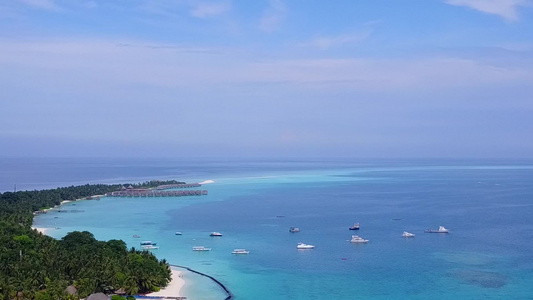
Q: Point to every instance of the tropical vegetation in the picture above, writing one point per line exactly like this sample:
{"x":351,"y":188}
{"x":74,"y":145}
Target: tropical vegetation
{"x":36,"y":266}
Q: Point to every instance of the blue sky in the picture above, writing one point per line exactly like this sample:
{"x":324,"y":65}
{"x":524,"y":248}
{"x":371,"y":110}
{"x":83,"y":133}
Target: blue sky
{"x":278,"y":78}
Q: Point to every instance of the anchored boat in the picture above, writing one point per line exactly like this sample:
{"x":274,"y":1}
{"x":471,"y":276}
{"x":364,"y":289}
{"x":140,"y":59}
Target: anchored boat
{"x":240,"y":251}
{"x":357,"y":239}
{"x":149,"y":247}
{"x":408,"y":234}
{"x":147,"y":243}
{"x":304,"y":246}
{"x":440,"y":230}
{"x":200,"y":248}
{"x":355,"y":226}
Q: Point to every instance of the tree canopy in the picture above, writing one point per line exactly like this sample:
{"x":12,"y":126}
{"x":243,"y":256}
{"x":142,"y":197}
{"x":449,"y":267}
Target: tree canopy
{"x":36,"y":266}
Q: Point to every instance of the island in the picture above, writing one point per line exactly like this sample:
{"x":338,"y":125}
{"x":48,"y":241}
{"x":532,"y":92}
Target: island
{"x":36,"y":266}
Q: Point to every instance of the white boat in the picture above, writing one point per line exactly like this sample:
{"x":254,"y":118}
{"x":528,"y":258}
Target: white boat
{"x":440,"y":230}
{"x":294,"y":229}
{"x":215,"y":233}
{"x":147,"y":243}
{"x":240,"y":251}
{"x":304,"y":246}
{"x":178,"y":233}
{"x":358,"y":239}
{"x":200,"y":248}
{"x":149,"y":247}
{"x":408,"y":234}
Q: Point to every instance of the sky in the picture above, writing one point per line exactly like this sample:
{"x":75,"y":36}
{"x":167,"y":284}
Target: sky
{"x":266,"y":78}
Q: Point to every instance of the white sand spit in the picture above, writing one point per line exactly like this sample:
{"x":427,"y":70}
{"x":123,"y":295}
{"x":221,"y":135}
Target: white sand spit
{"x":41,"y":229}
{"x":174,"y":286}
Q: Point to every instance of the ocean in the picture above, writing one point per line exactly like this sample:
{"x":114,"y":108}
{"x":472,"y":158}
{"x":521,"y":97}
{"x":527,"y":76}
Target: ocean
{"x":486,"y":204}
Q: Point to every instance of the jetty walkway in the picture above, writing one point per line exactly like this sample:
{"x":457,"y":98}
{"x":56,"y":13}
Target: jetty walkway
{"x":154,"y":193}
{"x":167,"y":190}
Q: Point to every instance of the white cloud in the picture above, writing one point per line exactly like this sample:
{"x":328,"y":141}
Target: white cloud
{"x":507,"y":9}
{"x":327,"y":42}
{"x":83,"y":63}
{"x":209,"y":9}
{"x":273,"y":16}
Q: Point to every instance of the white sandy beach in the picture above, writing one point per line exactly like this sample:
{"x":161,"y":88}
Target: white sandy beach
{"x":171,"y":290}
{"x":174,"y":286}
{"x":41,"y":229}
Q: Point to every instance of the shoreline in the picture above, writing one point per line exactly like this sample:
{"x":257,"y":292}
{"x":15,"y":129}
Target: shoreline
{"x":173,"y":288}
{"x":42,"y":230}
{"x":229,"y":294}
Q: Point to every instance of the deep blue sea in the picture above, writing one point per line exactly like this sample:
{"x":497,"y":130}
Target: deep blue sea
{"x":486,"y":204}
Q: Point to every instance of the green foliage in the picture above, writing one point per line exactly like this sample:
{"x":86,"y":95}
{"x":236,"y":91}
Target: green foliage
{"x":23,"y":239}
{"x":35,"y":266}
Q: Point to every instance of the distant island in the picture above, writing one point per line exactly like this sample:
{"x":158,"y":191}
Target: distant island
{"x":36,"y":266}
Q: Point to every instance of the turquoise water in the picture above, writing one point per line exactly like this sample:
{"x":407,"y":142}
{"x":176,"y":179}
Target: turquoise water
{"x":487,"y":206}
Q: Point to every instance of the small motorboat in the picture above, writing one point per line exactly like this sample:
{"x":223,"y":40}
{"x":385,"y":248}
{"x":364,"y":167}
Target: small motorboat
{"x":355,"y":226}
{"x":358,"y":240}
{"x":146,"y":243}
{"x":149,"y":247}
{"x":136,"y":236}
{"x":294,"y":229}
{"x":178,"y":233}
{"x":408,"y":234}
{"x":214,"y":233}
{"x":200,"y":248}
{"x":240,"y":251}
{"x":304,"y":246}
{"x":440,"y":230}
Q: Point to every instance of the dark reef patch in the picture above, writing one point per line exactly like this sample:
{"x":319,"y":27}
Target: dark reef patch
{"x":482,"y":278}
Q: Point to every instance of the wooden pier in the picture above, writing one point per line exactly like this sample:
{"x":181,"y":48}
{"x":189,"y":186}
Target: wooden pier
{"x":178,"y":186}
{"x":156,"y":193}
{"x":167,"y":190}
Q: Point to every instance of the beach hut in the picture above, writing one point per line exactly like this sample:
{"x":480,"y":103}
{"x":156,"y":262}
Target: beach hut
{"x":120,"y":291}
{"x":71,"y":290}
{"x":98,"y":296}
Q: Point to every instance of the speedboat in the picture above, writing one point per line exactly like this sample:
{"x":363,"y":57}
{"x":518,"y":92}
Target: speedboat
{"x":304,"y":246}
{"x":147,"y":243}
{"x":200,"y":248}
{"x":354,"y":227}
{"x":440,"y":230}
{"x":294,"y":229}
{"x":358,"y":239}
{"x":215,"y":234}
{"x":408,"y":234}
{"x":149,"y":247}
{"x":240,"y":251}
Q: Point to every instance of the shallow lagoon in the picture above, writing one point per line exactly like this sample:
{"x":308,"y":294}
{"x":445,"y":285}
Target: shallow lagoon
{"x":486,"y":205}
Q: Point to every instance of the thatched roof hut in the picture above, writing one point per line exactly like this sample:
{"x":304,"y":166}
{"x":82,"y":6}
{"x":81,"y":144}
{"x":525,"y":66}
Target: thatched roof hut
{"x":71,"y":290}
{"x":98,"y":296}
